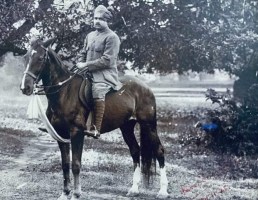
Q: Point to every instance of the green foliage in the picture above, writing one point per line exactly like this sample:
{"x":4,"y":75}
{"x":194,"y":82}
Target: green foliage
{"x":237,"y":130}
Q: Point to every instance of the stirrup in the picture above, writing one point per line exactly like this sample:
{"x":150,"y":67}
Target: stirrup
{"x":43,"y":129}
{"x":92,"y":133}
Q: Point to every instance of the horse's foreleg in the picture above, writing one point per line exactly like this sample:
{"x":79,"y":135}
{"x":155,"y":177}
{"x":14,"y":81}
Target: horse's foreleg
{"x":77,"y":147}
{"x":65,"y":155}
{"x":129,"y":137}
{"x":134,"y":190}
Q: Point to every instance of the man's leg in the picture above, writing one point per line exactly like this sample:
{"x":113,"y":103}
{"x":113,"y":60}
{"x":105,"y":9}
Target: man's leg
{"x":99,"y":108}
{"x":99,"y":91}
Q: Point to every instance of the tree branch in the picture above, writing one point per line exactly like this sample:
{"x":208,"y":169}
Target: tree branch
{"x":9,"y":43}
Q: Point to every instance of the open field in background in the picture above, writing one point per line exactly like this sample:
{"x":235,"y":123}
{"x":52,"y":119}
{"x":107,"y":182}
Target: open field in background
{"x":31,"y":168}
{"x":187,"y":95}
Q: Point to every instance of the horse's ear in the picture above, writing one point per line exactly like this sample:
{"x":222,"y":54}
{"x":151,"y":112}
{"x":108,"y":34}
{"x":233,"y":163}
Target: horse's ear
{"x":49,"y":42}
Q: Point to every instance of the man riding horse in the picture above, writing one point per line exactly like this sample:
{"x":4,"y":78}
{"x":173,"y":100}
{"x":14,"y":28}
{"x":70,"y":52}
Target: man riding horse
{"x":134,"y":104}
{"x":99,"y":58}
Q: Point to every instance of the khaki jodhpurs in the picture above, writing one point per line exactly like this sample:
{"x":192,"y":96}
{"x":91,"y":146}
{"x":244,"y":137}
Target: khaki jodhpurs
{"x":99,"y":90}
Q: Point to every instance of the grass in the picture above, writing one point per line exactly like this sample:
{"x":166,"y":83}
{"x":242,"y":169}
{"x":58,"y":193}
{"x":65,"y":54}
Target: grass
{"x":107,"y":166}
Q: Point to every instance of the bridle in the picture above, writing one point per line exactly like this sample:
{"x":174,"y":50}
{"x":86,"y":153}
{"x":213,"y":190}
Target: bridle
{"x":36,"y":78}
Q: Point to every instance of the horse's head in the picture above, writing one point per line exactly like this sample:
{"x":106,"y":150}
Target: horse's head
{"x":35,"y":60}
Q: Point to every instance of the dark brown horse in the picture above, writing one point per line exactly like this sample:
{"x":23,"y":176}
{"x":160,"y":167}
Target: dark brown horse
{"x":134,"y":103}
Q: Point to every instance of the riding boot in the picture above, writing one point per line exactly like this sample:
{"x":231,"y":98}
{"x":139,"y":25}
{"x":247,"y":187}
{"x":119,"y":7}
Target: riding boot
{"x":99,"y":108}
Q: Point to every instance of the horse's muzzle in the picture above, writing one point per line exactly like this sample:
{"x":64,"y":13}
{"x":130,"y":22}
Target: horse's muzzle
{"x":27,"y":85}
{"x":28,"y":90}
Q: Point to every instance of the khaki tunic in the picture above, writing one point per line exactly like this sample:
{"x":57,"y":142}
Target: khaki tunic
{"x":100,"y":51}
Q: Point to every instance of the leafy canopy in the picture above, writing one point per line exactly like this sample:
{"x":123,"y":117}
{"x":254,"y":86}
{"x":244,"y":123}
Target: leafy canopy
{"x":164,"y":36}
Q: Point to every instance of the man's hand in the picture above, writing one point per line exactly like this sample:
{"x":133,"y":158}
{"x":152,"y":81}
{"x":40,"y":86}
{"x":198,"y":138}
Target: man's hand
{"x":74,"y":68}
{"x":81,"y":65}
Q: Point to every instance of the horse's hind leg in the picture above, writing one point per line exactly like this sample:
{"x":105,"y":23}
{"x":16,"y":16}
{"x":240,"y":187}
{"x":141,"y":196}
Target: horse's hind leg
{"x":65,"y":155}
{"x":150,"y":144}
{"x":163,"y":175}
{"x":129,"y":137}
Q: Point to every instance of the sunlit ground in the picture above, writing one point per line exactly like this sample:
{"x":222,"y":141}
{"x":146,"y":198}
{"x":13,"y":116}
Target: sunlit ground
{"x":193,"y":172}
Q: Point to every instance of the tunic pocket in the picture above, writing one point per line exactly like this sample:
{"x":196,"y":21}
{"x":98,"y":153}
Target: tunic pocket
{"x":99,"y":47}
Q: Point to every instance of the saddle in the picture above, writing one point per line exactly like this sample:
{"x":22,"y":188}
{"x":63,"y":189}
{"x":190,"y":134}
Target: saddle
{"x":85,"y":94}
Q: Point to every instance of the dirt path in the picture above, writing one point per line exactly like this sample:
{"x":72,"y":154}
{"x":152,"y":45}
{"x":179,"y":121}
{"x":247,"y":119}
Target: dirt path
{"x":18,"y":151}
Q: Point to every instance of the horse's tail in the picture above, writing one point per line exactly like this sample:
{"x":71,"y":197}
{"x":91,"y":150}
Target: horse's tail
{"x":148,"y":147}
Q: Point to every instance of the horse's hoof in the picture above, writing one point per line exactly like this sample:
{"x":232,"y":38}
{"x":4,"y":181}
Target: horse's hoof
{"x":130,"y":194}
{"x":63,"y":197}
{"x":133,"y":192}
{"x":162,"y":195}
{"x":75,"y":197}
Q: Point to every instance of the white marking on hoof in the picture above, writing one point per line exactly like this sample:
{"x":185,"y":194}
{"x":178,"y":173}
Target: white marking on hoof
{"x":77,"y":193}
{"x":163,"y":184}
{"x":163,"y":194}
{"x":134,"y":190}
{"x":63,"y":197}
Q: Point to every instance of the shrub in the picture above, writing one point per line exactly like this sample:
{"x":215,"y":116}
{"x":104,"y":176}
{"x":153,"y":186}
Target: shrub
{"x":237,"y":123}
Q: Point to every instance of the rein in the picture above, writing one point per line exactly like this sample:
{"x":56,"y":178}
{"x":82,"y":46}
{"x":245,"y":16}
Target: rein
{"x":42,"y":87}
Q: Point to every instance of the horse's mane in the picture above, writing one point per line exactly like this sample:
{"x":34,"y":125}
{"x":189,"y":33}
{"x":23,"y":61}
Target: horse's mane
{"x":56,"y":58}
